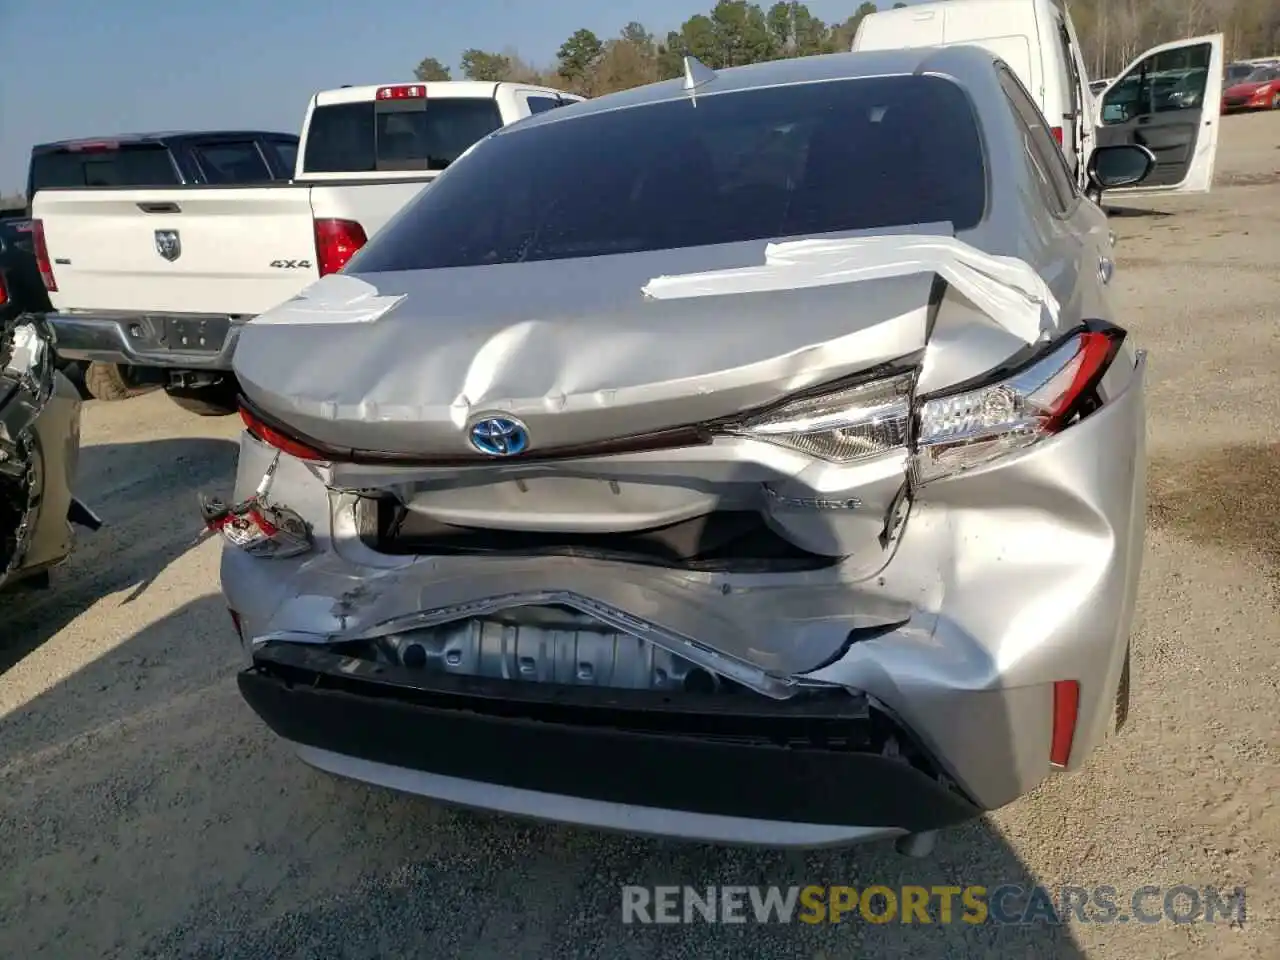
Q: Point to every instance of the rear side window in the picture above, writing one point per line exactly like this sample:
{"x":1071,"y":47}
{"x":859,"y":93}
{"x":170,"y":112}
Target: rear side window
{"x":542,"y":104}
{"x":426,"y":135}
{"x":232,"y":162}
{"x":1056,"y":182}
{"x":124,"y":165}
{"x":774,"y":162}
{"x":287,"y":151}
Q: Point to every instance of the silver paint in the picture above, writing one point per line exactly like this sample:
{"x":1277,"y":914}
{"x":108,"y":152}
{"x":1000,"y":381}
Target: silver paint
{"x":993,"y":584}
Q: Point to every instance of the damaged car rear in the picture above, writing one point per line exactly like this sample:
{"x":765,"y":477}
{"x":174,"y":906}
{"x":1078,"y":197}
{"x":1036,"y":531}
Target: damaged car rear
{"x":39,"y":451}
{"x":752,"y":458}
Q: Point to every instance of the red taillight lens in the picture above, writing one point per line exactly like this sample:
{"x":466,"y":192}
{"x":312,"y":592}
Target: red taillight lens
{"x":337,"y":242}
{"x":4,"y":292}
{"x":1093,"y":355}
{"x":93,"y":146}
{"x":1066,"y":707}
{"x":43,"y":262}
{"x":1057,"y":135}
{"x":276,"y":438}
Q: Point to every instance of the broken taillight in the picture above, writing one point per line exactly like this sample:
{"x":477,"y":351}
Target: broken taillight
{"x":277,"y":438}
{"x":966,"y":427}
{"x":256,"y":525}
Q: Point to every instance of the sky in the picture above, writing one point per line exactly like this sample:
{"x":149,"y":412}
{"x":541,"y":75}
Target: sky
{"x":84,"y":68}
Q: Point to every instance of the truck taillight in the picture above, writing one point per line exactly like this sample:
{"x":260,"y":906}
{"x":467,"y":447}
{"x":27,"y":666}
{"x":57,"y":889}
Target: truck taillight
{"x":43,"y":262}
{"x":337,"y":242}
{"x":1057,"y":135}
{"x":404,"y":91}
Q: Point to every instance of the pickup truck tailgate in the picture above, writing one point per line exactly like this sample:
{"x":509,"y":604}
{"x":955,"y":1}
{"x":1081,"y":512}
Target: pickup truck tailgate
{"x":232,"y":251}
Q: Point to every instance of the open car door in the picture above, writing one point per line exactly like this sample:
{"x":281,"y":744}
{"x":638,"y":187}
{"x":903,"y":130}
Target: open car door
{"x":1170,"y":101}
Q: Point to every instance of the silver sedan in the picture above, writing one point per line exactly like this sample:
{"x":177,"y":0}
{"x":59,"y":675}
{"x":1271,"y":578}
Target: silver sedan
{"x":751,"y":457}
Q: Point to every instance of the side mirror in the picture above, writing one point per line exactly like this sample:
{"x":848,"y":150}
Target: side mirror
{"x":1121,"y":165}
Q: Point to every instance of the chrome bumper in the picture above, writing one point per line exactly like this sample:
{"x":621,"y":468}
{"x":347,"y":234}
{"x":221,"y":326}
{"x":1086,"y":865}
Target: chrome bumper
{"x":174,"y":341}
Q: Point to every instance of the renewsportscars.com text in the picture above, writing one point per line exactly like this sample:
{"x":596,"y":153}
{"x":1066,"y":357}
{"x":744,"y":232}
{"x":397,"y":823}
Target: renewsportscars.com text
{"x":1007,"y":904}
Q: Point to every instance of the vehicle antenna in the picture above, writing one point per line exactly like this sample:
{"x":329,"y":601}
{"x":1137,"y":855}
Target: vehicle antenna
{"x":696,"y":74}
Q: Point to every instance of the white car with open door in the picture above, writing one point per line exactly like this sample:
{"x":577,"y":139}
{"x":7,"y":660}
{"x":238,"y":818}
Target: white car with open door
{"x":1168,"y":100}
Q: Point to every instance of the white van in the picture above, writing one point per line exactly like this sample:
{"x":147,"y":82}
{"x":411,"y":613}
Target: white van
{"x":1169,"y":99}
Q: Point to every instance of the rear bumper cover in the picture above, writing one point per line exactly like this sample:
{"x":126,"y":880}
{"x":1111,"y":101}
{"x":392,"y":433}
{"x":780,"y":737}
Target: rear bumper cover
{"x":779,"y":773}
{"x":1005,"y":580}
{"x":171,"y":341}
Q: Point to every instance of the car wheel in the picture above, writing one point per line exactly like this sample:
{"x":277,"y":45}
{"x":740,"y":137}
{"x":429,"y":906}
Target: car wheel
{"x":110,"y":381}
{"x":1275,"y":100}
{"x":216,"y":400}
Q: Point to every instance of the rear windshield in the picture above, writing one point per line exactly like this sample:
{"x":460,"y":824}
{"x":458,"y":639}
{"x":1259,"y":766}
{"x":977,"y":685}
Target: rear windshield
{"x":127,"y":165}
{"x":766,"y":163}
{"x":362,"y":137}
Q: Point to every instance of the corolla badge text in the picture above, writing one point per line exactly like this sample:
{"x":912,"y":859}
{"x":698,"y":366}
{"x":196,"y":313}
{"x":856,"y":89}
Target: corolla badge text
{"x":498,"y":436}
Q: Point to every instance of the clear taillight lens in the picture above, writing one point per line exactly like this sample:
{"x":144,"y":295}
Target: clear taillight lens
{"x":1002,"y":411}
{"x":966,"y":428}
{"x":850,"y":424}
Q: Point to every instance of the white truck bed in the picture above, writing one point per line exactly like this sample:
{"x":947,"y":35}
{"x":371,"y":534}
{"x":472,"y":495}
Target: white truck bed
{"x":164,"y":278}
{"x":242,"y":250}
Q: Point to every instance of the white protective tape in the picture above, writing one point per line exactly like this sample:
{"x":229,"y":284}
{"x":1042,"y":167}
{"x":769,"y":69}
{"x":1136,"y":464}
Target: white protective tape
{"x":1005,"y":288}
{"x":337,"y":298}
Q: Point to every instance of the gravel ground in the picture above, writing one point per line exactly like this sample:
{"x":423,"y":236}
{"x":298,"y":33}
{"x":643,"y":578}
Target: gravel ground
{"x":144,"y":812}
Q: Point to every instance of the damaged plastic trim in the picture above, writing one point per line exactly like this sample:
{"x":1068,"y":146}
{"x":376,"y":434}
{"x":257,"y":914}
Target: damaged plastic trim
{"x":732,"y":668}
{"x":1006,"y":288}
{"x":26,"y":384}
{"x":256,"y":525}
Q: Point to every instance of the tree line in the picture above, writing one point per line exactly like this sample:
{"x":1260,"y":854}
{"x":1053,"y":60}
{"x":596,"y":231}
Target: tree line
{"x":738,"y":32}
{"x":733,"y":33}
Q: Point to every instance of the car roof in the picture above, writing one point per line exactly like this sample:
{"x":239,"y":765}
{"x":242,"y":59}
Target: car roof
{"x":157,"y":137}
{"x":774,"y":73}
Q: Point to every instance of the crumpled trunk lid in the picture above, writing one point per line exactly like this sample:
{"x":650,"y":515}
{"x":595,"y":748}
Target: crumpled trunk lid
{"x":574,"y":349}
{"x":587,"y":353}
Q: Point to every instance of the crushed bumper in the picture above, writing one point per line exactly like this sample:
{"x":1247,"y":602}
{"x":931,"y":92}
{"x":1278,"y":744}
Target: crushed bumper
{"x":1005,"y":581}
{"x":173,"y":341}
{"x":745,"y":769}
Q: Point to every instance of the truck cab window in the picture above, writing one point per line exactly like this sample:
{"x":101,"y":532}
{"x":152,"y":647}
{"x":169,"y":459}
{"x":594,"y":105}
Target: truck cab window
{"x":232,"y":162}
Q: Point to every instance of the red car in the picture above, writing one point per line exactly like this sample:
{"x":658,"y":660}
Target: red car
{"x":1260,"y":90}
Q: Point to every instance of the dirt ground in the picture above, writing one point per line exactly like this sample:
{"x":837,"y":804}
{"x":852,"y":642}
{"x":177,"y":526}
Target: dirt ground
{"x":144,"y":812}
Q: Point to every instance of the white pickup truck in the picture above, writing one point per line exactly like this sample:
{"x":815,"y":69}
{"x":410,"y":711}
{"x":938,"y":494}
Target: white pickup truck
{"x":149,"y":283}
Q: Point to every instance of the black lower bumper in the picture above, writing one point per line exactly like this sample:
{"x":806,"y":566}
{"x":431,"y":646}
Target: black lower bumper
{"x":814,"y":760}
